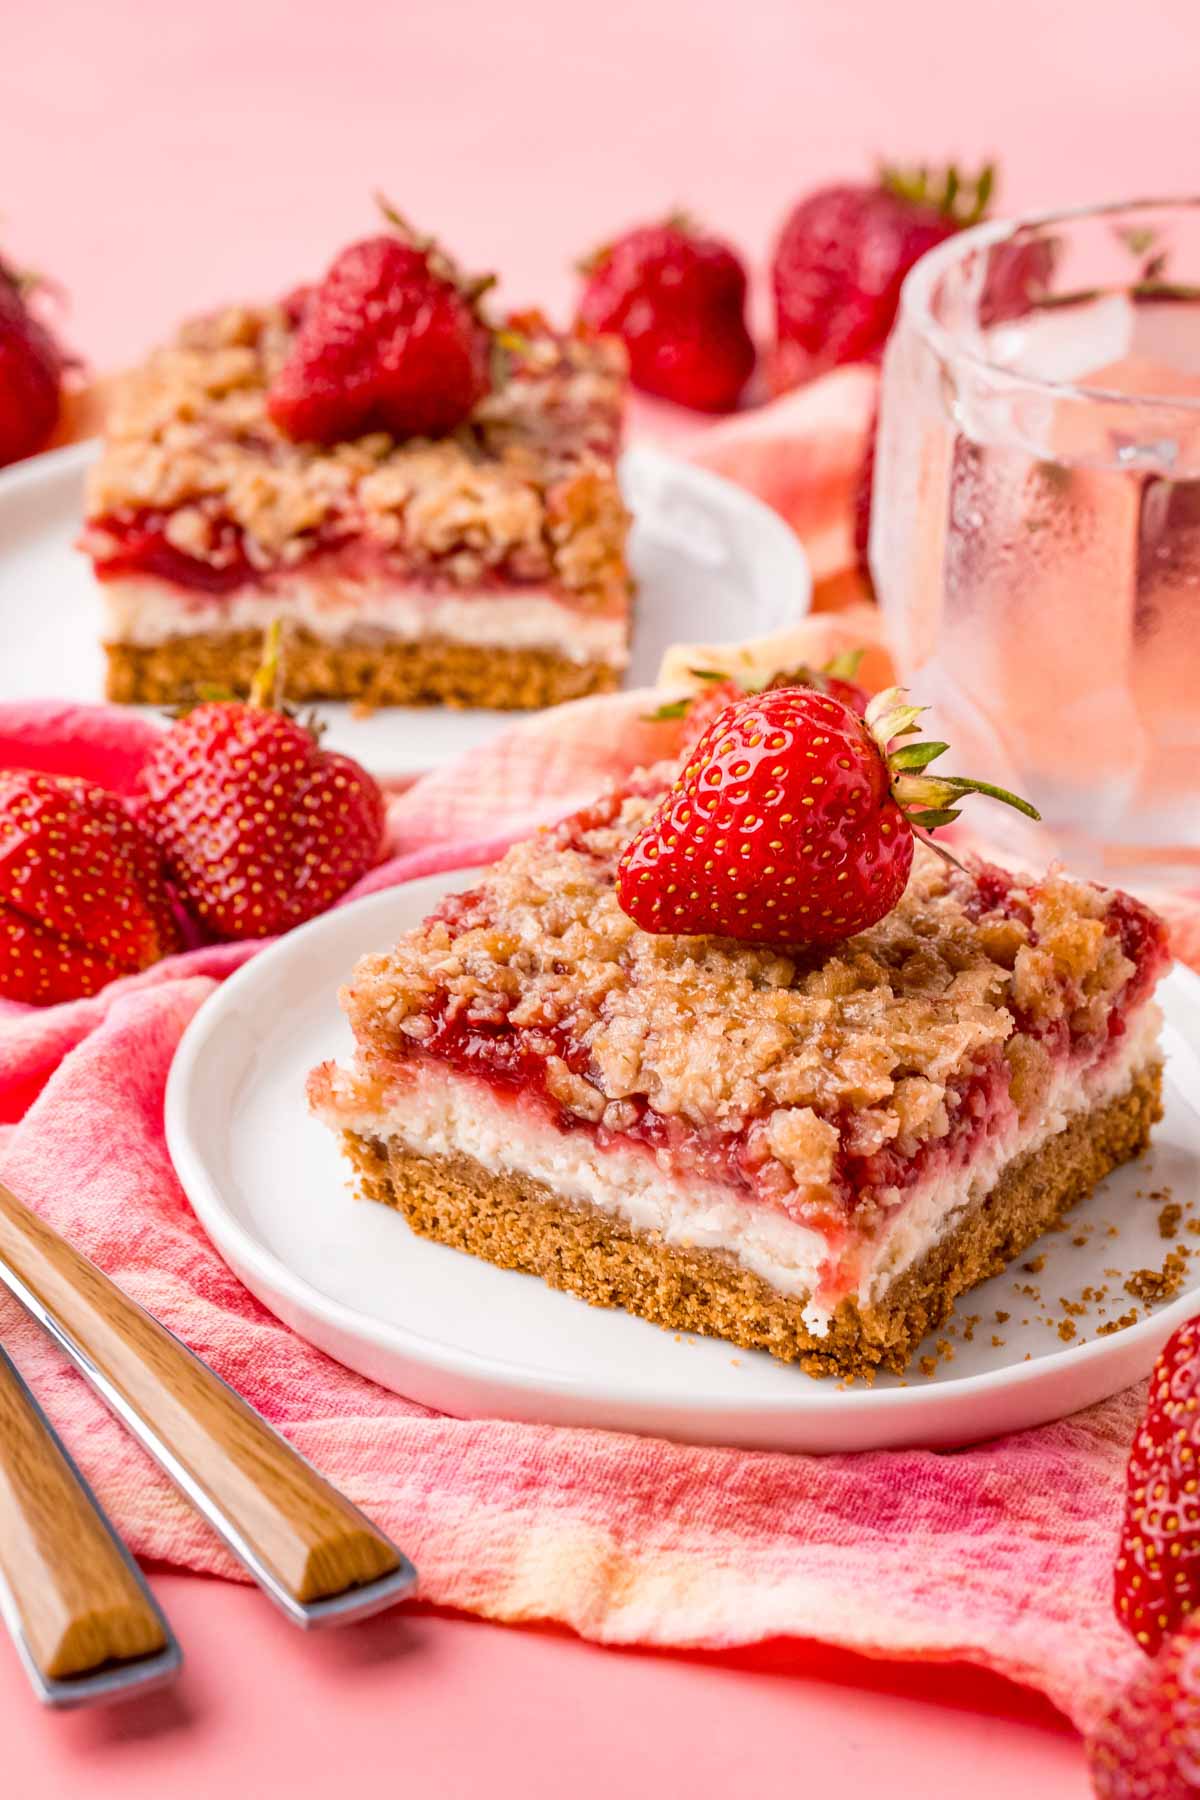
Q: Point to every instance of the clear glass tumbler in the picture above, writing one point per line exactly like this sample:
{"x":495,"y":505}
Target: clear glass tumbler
{"x":1035,"y":536}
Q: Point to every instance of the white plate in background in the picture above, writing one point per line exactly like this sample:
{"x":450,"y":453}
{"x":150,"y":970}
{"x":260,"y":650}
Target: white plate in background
{"x":271,"y":1189}
{"x":712,"y":565}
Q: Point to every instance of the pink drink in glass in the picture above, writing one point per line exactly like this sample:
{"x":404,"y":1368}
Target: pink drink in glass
{"x":1036,"y":526}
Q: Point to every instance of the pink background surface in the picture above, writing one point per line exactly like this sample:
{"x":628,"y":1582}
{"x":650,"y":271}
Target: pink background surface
{"x":157,"y":159}
{"x":160,"y":159}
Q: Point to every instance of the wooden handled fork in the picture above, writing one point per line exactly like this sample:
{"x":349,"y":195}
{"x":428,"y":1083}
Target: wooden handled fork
{"x":83,"y":1619}
{"x":315,"y":1554}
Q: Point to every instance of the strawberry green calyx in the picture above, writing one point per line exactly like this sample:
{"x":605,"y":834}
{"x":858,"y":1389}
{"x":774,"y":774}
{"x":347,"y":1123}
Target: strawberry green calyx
{"x":925,"y":800}
{"x":679,"y":709}
{"x":836,"y":677}
{"x":471,"y":287}
{"x":678,"y":219}
{"x":845,"y":665}
{"x":960,"y":198}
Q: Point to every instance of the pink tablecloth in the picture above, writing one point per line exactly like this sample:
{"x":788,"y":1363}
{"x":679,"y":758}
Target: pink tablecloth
{"x":999,"y":1555}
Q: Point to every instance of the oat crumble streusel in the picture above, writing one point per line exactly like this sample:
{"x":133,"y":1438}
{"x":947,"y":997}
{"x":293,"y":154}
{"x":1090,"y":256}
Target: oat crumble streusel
{"x":527,"y":487}
{"x":856,"y":1052}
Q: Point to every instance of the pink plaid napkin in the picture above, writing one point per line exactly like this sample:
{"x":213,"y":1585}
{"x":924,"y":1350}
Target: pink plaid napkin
{"x":998,"y":1555}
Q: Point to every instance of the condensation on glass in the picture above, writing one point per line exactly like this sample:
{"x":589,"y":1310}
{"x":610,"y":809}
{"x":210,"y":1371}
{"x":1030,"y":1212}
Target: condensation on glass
{"x":1036,"y":528}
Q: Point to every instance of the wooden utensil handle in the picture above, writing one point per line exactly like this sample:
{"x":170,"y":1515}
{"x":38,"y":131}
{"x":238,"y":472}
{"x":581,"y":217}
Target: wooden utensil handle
{"x":291,"y":1528}
{"x":73,"y":1597}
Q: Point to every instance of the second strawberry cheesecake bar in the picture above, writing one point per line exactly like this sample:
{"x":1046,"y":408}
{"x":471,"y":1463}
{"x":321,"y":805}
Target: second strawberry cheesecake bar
{"x":484,"y":568}
{"x":809,"y":1152}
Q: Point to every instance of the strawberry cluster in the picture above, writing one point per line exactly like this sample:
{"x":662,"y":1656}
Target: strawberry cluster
{"x":677,"y":294}
{"x":243,"y":827}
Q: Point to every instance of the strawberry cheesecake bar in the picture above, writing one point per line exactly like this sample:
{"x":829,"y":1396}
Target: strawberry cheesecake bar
{"x":481,"y":567}
{"x":810,"y":1151}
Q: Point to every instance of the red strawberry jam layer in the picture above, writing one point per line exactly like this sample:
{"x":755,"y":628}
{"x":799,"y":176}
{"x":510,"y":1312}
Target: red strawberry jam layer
{"x":513,"y":1059}
{"x":525,"y":492}
{"x":739,"y":1159}
{"x":138,"y":544}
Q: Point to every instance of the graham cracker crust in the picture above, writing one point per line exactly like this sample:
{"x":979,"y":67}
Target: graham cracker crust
{"x":431,"y":672}
{"x":520,"y":1223}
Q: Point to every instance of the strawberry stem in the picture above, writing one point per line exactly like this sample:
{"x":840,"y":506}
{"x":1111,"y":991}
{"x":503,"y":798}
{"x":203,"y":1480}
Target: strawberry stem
{"x":400,"y":224}
{"x":471,"y":287}
{"x":928,"y":801}
{"x":267,"y":686}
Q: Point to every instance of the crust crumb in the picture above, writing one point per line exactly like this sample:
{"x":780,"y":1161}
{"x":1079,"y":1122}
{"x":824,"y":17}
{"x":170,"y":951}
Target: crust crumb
{"x":1168,"y":1218}
{"x":1121,"y":1324}
{"x":1154,"y":1285}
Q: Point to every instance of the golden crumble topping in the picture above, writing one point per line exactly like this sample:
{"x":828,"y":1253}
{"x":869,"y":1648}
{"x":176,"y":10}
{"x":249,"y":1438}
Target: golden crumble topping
{"x":527,"y":487}
{"x":847,"y":1052}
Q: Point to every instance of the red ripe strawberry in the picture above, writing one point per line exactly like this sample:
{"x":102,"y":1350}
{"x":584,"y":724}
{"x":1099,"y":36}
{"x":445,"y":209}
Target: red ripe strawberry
{"x":295,"y":303}
{"x":391,"y":340}
{"x":82,"y":896}
{"x":678,"y":301}
{"x":260,"y":828}
{"x":791,"y":822}
{"x":842,"y":257}
{"x":1157,"y":1577}
{"x":699,"y":710}
{"x":1148,"y":1748}
{"x":31,"y":368}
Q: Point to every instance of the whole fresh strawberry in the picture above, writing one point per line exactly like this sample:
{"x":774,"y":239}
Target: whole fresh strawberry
{"x":791,"y":821}
{"x":1157,"y":1577}
{"x":82,"y":895}
{"x":842,"y":257}
{"x":700,"y":709}
{"x":31,"y":370}
{"x":677,"y":298}
{"x":1148,"y":1747}
{"x":260,"y":828}
{"x":391,"y":340}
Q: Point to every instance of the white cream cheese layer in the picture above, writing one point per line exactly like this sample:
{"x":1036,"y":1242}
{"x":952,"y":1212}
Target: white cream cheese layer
{"x":440,"y":1113}
{"x":144,"y":611}
{"x":933,"y":1208}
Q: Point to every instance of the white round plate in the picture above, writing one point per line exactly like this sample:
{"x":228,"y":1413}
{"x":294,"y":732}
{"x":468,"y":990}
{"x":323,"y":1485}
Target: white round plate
{"x":270,"y":1187}
{"x":712,"y":565}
